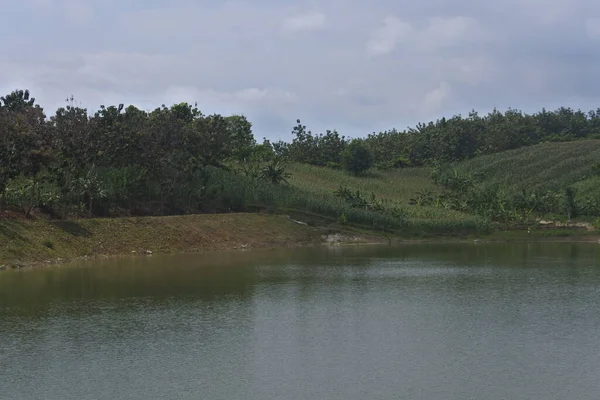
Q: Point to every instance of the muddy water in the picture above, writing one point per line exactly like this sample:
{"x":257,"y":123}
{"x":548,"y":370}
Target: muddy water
{"x":516,"y":321}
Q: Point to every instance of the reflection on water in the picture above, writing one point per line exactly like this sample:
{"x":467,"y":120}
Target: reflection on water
{"x":440,"y":321}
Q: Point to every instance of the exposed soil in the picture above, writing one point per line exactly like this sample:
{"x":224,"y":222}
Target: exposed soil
{"x":45,"y":242}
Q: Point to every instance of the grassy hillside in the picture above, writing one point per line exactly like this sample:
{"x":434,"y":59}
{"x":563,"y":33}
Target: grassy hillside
{"x":549,"y":181}
{"x":547,"y":165}
{"x":311,"y":198}
{"x":397,"y":185}
{"x":553,"y":166}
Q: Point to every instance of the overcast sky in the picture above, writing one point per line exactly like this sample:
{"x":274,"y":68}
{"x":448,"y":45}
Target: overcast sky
{"x":355,"y":66}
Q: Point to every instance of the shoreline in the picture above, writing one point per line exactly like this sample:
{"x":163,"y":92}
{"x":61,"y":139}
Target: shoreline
{"x":39,"y":243}
{"x":42,"y":243}
{"x":400,"y":242}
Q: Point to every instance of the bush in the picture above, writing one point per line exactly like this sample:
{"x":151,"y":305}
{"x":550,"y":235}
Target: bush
{"x":356,"y":157}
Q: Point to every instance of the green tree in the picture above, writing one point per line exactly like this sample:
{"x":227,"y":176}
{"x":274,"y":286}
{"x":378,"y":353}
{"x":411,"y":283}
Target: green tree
{"x":74,"y":151}
{"x":24,"y":143}
{"x":11,"y":153}
{"x":356,"y":157}
{"x":275,"y":172}
{"x":570,"y":205}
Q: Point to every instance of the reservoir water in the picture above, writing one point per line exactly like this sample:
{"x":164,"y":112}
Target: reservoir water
{"x":430,"y":321}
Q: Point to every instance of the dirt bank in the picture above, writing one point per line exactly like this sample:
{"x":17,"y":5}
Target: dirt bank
{"x":36,"y":242}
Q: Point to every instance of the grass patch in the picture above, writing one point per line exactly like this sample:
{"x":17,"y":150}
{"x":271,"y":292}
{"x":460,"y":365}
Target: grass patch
{"x":546,"y":165}
{"x":397,"y":185}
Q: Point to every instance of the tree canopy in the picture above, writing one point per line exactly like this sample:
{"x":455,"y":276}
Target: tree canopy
{"x":122,"y":160}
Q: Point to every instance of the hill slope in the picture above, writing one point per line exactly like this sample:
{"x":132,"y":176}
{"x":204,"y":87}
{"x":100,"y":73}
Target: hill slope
{"x":398,"y":185}
{"x":554,"y":166}
{"x":547,"y":165}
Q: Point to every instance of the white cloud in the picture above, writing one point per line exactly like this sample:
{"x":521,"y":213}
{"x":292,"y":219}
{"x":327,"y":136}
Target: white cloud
{"x":122,"y":68}
{"x":269,"y":94}
{"x":439,"y":32}
{"x":238,"y":101}
{"x":466,"y":70}
{"x":449,"y":31}
{"x":436,"y":99}
{"x":304,"y":22}
{"x":385,"y":38}
{"x":551,"y":12}
{"x":77,"y":11}
{"x":365,"y":66}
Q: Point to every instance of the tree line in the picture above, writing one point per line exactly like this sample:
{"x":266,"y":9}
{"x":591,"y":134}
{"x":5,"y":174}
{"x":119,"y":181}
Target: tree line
{"x":447,"y":139}
{"x":173,"y":160}
{"x":118,"y":160}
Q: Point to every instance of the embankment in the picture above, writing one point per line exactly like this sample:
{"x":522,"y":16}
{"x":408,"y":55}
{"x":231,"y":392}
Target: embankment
{"x":45,"y":242}
{"x":36,"y":242}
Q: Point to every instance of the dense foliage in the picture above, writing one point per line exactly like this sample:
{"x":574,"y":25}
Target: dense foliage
{"x":459,"y":138}
{"x":448,"y":139}
{"x":320,"y":149}
{"x":551,"y":178}
{"x":122,"y":160}
{"x":356,"y":157}
{"x":444,"y":143}
{"x":175,"y":160}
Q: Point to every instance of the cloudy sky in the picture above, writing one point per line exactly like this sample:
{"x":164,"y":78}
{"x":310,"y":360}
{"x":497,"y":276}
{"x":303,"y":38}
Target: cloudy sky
{"x":355,"y":66}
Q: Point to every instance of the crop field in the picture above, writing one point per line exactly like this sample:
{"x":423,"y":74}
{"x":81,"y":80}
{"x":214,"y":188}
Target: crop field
{"x":397,"y":186}
{"x":547,"y":165}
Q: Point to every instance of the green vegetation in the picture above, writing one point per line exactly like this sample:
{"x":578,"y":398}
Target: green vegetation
{"x":356,"y":157}
{"x":555,"y":180}
{"x":122,"y":162}
{"x":460,"y":138}
{"x":506,"y":168}
{"x":552,"y":165}
{"x":458,"y":176}
{"x":392,"y":189}
{"x":399,"y":184}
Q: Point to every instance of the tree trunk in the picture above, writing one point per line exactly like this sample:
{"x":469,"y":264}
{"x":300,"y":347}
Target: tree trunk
{"x":32,"y":197}
{"x":79,"y":201}
{"x":3,"y":198}
{"x":67,"y":190}
{"x":162,"y":202}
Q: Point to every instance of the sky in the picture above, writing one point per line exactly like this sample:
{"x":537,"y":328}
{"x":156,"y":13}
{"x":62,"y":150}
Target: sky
{"x":354,"y":66}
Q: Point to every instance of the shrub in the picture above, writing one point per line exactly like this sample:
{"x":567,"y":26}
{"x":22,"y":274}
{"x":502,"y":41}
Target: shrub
{"x":356,"y":157}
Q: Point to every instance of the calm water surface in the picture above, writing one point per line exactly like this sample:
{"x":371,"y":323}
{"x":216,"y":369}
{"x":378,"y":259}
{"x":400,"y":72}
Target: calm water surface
{"x":428,"y":322}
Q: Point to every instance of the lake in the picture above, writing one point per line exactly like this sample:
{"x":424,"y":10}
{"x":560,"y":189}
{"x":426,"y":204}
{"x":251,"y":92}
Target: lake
{"x":427,"y":321}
